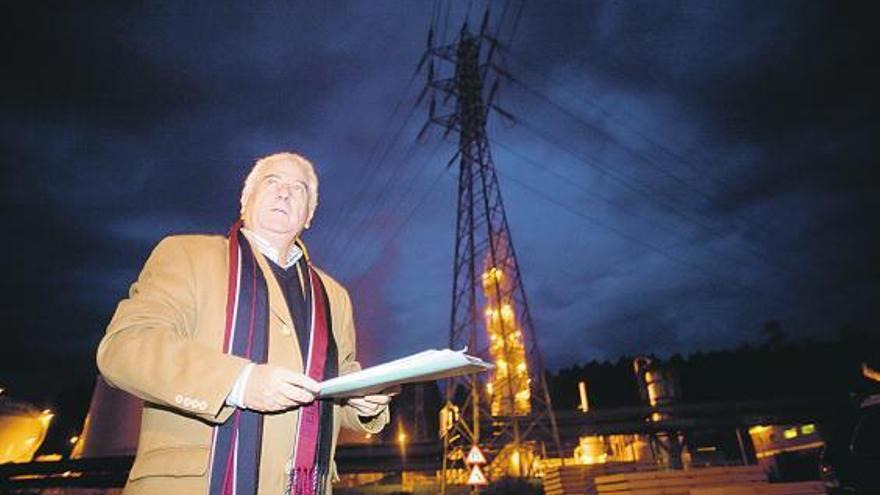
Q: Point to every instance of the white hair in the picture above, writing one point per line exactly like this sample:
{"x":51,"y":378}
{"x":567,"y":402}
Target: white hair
{"x":254,"y":175}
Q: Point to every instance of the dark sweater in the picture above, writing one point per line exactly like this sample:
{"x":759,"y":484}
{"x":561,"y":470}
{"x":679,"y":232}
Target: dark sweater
{"x":297,"y":303}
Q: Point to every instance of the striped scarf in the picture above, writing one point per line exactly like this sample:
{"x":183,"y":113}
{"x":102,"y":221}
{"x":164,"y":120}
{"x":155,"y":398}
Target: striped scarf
{"x":236,"y":444}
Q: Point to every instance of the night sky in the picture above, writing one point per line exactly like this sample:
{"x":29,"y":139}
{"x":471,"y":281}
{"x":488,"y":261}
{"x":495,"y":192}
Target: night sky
{"x":678,"y":173}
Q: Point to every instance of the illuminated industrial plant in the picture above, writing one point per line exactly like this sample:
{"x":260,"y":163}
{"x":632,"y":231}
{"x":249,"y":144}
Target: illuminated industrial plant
{"x":22,"y":430}
{"x":511,"y":377}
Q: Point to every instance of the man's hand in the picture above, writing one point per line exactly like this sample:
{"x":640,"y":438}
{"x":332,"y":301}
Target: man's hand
{"x":273,"y":388}
{"x":369,"y":405}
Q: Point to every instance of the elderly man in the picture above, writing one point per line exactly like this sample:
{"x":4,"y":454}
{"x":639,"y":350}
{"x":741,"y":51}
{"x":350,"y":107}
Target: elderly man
{"x":226,"y":341}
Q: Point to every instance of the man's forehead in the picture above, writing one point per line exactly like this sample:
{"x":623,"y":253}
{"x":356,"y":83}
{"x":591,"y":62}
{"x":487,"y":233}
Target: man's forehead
{"x":283,"y":167}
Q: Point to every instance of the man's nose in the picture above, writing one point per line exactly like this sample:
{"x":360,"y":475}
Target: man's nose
{"x":282,"y":191}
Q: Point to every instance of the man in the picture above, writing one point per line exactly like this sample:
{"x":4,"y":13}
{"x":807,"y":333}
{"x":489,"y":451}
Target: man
{"x":226,"y":339}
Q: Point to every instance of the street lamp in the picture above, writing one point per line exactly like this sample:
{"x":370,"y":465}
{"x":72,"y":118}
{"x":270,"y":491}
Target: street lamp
{"x":401,"y":439}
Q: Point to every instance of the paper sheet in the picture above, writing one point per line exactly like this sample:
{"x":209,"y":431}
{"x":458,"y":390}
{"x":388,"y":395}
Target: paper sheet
{"x":420,"y":367}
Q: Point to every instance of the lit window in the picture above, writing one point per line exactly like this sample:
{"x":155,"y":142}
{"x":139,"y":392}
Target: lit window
{"x":807,"y":429}
{"x":790,"y":433}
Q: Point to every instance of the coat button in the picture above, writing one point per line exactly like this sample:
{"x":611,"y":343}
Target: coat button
{"x":285,"y":329}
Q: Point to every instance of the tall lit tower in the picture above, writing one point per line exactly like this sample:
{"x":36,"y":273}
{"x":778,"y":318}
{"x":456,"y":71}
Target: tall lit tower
{"x":508,"y":414}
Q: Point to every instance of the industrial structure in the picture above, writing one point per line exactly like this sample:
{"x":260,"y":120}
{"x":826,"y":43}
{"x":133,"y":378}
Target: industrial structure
{"x":23,"y":428}
{"x":509,"y":415}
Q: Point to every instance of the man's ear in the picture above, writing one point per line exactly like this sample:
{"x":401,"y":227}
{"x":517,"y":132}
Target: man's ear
{"x":244,"y":202}
{"x":311,"y":216}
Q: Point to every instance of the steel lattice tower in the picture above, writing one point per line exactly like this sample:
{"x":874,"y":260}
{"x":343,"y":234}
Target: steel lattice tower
{"x":508,"y":413}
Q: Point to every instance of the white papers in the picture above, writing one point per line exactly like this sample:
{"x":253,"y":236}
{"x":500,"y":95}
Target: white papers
{"x":421,"y":367}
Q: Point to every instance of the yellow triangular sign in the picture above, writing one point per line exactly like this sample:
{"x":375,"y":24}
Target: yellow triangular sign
{"x":475,"y":456}
{"x":477,"y":477}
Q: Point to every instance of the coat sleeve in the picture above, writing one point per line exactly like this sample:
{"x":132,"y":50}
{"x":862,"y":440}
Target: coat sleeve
{"x":348,"y":364}
{"x":149,"y":349}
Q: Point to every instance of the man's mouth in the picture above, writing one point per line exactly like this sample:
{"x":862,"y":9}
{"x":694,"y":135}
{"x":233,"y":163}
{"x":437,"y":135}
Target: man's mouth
{"x":279,"y":210}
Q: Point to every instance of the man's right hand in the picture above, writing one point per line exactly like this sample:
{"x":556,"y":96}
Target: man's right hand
{"x":273,"y":388}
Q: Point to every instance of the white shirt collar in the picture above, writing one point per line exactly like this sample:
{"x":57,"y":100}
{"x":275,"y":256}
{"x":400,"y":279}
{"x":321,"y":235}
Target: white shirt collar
{"x":270,"y":252}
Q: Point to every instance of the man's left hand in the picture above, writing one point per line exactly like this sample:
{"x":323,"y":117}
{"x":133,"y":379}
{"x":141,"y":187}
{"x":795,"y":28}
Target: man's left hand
{"x":369,"y":405}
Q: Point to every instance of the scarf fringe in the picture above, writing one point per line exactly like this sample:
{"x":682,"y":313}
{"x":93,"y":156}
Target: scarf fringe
{"x":306,"y":481}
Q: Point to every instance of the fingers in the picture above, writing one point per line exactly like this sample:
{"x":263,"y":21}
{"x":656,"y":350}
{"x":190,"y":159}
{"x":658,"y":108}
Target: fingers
{"x":391,"y":392}
{"x":378,"y":399}
{"x":273,"y":388}
{"x":297,"y":387}
{"x":363,"y":408}
{"x":300,"y":380}
{"x":294,"y":394}
{"x":369,"y":405}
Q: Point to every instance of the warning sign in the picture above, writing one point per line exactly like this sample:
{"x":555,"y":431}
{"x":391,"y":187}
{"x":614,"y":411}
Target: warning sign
{"x":477,"y":477}
{"x":475,"y":456}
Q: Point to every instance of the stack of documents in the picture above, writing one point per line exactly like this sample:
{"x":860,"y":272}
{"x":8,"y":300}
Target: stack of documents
{"x":422,"y":367}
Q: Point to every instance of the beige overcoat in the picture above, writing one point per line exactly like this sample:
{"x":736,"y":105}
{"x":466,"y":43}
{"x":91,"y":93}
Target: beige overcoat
{"x":164,"y":346}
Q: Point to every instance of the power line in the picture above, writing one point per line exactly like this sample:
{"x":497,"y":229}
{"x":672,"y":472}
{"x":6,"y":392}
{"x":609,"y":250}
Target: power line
{"x":377,"y":208}
{"x":592,"y":194}
{"x":446,"y":22}
{"x":653,"y":193}
{"x":337,"y":222}
{"x":432,"y":188}
{"x":608,"y":136}
{"x":435,"y":15}
{"x":625,"y":235}
{"x":410,"y":185}
{"x":500,"y":24}
{"x":365,"y":185}
{"x":363,"y":209}
{"x":688,"y":162}
{"x":720,"y":184}
{"x":522,"y":5}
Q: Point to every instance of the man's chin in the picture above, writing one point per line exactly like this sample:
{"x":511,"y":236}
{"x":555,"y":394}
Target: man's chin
{"x":282,"y":231}
{"x":270,"y":230}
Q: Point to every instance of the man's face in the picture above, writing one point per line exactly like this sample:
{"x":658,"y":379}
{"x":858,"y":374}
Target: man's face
{"x":279,"y":202}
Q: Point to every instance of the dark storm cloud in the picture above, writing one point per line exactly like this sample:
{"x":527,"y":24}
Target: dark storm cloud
{"x":76,"y":62}
{"x":753,"y":120}
{"x":125,"y":124}
{"x":708,"y":166}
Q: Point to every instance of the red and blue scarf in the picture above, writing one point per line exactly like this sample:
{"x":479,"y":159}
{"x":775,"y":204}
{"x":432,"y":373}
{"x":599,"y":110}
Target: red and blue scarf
{"x":236,"y":445}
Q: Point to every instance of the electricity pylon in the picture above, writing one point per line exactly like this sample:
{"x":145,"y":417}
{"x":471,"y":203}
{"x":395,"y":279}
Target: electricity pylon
{"x":507,"y":413}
